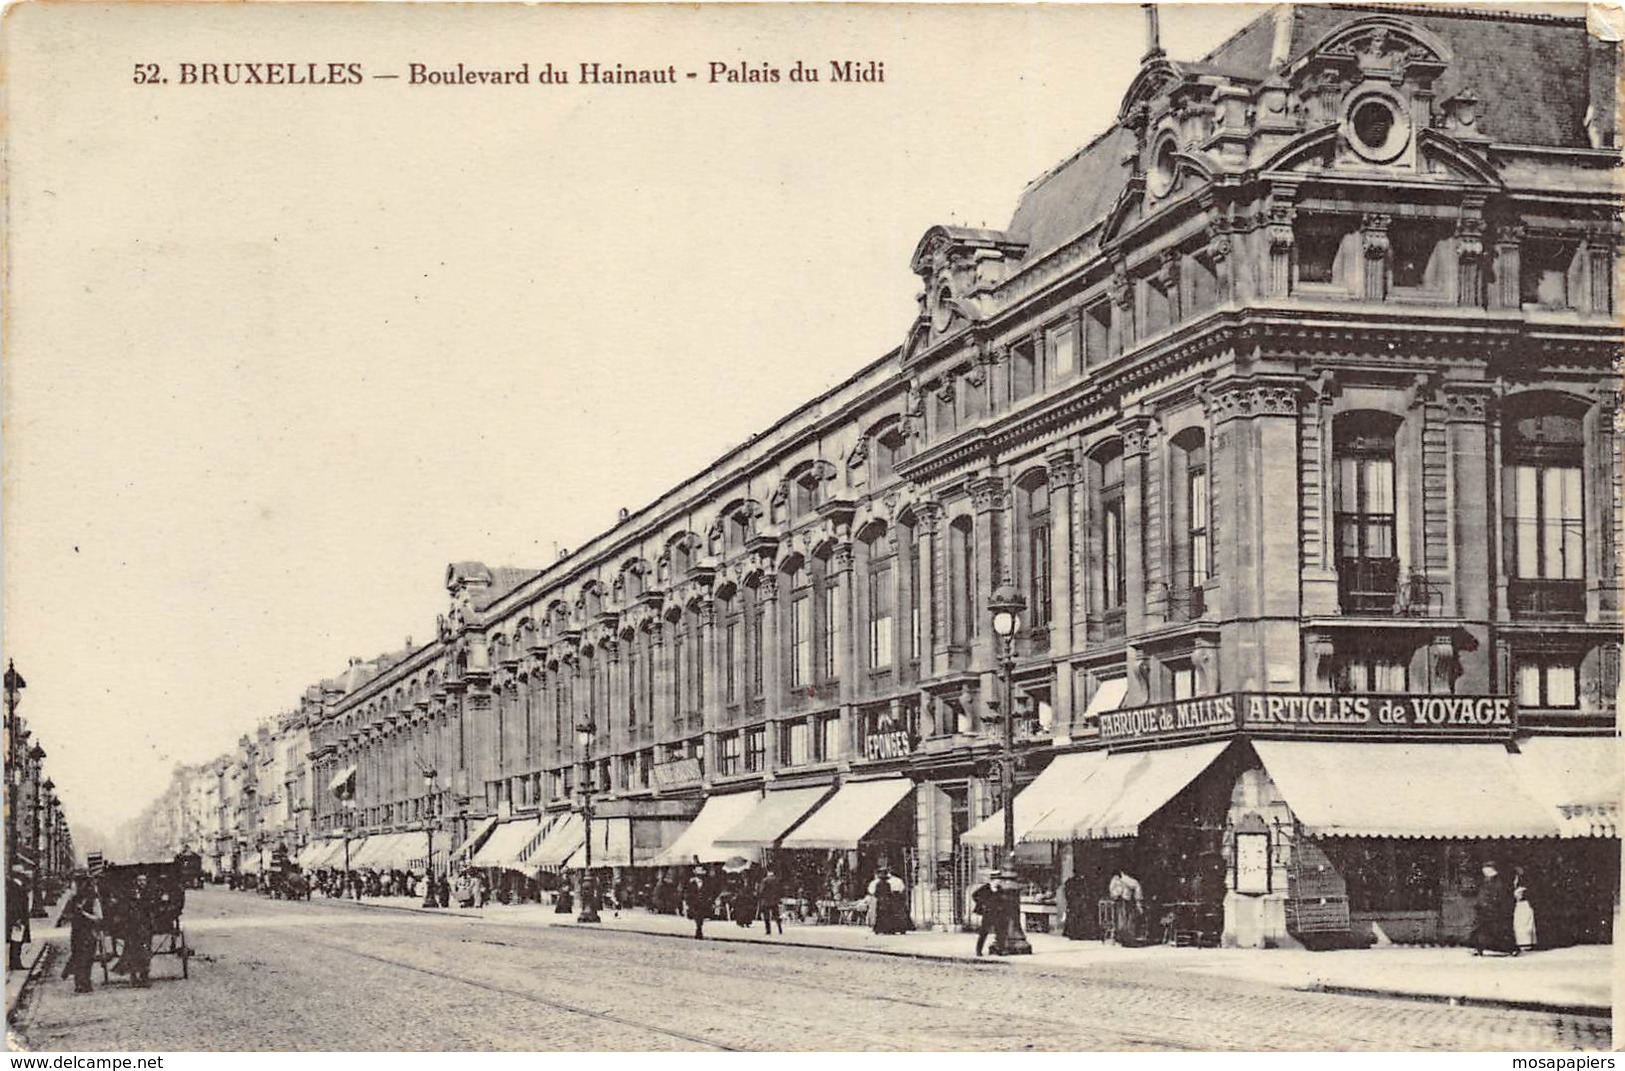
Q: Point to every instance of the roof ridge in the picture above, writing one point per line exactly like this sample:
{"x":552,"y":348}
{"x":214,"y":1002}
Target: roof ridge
{"x":1483,"y":13}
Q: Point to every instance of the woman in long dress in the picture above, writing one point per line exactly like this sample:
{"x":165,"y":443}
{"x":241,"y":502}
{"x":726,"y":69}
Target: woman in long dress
{"x":1523,"y":915}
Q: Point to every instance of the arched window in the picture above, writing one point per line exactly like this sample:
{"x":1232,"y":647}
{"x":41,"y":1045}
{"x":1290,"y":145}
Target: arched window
{"x":889,"y":447}
{"x":797,"y":579}
{"x":1367,"y":548}
{"x":1034,"y":549}
{"x":882,"y":595}
{"x":1106,"y":466}
{"x":962,"y":580}
{"x":1543,"y":454}
{"x":1192,"y":553}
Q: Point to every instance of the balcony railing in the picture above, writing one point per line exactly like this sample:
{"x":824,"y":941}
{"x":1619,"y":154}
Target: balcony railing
{"x":1546,"y":598}
{"x":1368,"y":585}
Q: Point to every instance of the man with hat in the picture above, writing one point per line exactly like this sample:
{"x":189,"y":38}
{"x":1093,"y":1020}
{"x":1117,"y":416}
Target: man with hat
{"x":697,"y":897}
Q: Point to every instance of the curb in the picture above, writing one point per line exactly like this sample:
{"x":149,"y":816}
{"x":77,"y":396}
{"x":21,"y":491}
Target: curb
{"x":30,"y":973}
{"x":439,"y":912}
{"x":984,"y":961}
{"x":1595,"y":1011}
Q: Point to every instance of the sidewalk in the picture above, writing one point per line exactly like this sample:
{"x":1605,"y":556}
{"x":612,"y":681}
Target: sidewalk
{"x":45,"y":934}
{"x":1575,"y":980}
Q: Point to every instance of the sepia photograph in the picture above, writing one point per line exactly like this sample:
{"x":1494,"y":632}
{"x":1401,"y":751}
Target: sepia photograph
{"x":830,"y":527}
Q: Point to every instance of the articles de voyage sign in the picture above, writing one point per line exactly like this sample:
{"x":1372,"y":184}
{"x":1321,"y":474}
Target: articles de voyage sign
{"x":1396,"y":716}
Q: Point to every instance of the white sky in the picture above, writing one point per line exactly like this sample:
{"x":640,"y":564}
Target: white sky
{"x":276,"y":355}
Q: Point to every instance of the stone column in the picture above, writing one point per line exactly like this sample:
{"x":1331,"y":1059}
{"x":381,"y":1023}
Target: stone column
{"x":767,"y":592}
{"x":1508,"y":267}
{"x":1470,"y":261}
{"x":1472,"y":523}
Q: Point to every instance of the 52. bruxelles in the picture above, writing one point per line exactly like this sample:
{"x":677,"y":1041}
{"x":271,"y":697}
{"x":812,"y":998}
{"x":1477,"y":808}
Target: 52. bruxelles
{"x":254,"y":74}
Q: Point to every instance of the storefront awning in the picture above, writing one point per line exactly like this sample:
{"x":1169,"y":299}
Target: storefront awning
{"x":1061,"y":778}
{"x":330,"y":854}
{"x":611,"y":844}
{"x":698,"y":842}
{"x":503,"y":848}
{"x":775,"y":815}
{"x":1108,"y":696}
{"x":1577,"y":779}
{"x":850,"y":814}
{"x":341,"y":779}
{"x":1124,"y":790}
{"x":1404,"y":790}
{"x":479,"y":833}
{"x":249,"y":863}
{"x":559,"y":844}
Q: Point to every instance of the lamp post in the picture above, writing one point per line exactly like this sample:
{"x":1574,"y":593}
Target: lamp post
{"x":37,"y":754}
{"x":588,"y":895}
{"x":1006,"y":606}
{"x":14,"y":741}
{"x":431,"y":787}
{"x":349,"y":827}
{"x":49,"y":862}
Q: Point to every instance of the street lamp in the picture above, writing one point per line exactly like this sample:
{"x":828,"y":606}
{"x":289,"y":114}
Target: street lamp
{"x":15,"y":738}
{"x":49,"y":863}
{"x":349,"y":827}
{"x":588,"y":895}
{"x":431,"y":787}
{"x":37,"y":754}
{"x":1006,"y":606}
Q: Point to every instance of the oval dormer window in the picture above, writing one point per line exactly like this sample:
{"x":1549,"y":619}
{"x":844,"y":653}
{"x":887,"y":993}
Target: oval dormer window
{"x":1160,"y":178}
{"x":1377,"y":128}
{"x":944,"y":311}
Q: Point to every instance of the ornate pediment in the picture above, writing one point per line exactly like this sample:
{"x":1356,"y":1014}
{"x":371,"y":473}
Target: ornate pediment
{"x":1380,"y":46}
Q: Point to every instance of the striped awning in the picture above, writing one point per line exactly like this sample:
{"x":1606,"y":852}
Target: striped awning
{"x":1404,"y":790}
{"x":1062,"y":778}
{"x":506,"y":844}
{"x":1122,"y":791}
{"x":1578,"y":779}
{"x":850,"y":814}
{"x":561,"y":842}
{"x":475,"y":838}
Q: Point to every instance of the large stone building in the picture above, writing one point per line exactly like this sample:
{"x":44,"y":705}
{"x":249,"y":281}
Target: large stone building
{"x":1288,"y":403}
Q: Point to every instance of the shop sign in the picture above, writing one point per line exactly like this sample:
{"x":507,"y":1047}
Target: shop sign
{"x":1387,"y":715}
{"x":677,"y":772}
{"x":1380,"y":716}
{"x":1213,"y":715}
{"x":892,"y":745}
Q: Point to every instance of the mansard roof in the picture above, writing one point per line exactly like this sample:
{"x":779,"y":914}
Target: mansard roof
{"x":1529,"y":72}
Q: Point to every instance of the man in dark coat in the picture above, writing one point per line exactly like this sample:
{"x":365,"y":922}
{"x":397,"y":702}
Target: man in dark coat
{"x":139,"y":908}
{"x":19,"y":930}
{"x":1492,"y":915}
{"x":987,"y":904}
{"x":767,"y":900}
{"x":1075,"y":891}
{"x":83,"y":915}
{"x":697,"y":896}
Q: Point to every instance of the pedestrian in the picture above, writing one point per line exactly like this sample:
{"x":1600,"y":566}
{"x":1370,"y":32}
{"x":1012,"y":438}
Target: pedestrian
{"x":1523,"y":913}
{"x":1127,"y":907}
{"x":697,"y":897}
{"x":83,"y":915}
{"x":891,"y":907}
{"x":135,"y":959}
{"x":1074,"y":891}
{"x":768,"y":896}
{"x":1492,"y":915}
{"x":443,"y":892}
{"x":985,"y":903}
{"x":19,"y":929}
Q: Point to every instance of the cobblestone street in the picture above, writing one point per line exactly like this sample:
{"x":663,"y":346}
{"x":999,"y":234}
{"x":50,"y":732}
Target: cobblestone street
{"x":270,"y":975}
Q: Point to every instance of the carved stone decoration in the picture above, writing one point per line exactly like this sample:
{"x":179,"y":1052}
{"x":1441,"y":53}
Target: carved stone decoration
{"x":1135,"y":434}
{"x":840,"y":560}
{"x":1278,"y":232}
{"x":1375,"y":245}
{"x":1063,"y":468}
{"x":1466,"y":405}
{"x":859,"y":454}
{"x":988,"y":493}
{"x":1508,"y":263}
{"x":1202,"y":667}
{"x":1470,"y":261}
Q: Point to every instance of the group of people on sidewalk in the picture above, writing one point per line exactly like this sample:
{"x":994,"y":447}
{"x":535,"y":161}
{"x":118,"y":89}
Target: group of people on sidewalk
{"x":84,"y":916}
{"x":1503,"y":917}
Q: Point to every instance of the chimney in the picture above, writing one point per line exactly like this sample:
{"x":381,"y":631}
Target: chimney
{"x":624,"y":514}
{"x":1281,"y":45}
{"x":1153,"y":36}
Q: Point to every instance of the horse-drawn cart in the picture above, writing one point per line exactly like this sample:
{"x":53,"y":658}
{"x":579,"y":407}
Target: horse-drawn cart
{"x":135,"y":909}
